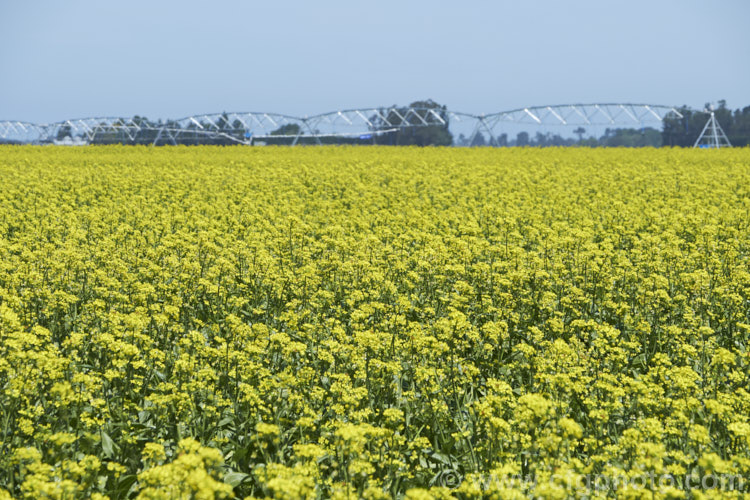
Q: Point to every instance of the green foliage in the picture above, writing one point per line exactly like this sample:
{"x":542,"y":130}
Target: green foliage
{"x":631,"y":138}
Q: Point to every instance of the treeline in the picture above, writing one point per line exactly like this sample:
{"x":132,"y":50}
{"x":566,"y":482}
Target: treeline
{"x":612,"y":138}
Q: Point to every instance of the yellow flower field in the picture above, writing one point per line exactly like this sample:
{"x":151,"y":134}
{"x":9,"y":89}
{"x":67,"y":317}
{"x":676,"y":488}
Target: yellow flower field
{"x":198,"y":322}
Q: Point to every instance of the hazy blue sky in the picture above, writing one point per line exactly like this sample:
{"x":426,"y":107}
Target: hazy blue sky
{"x":76,"y":58}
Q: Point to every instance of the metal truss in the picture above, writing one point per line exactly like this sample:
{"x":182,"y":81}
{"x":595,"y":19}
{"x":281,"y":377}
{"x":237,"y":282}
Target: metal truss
{"x":21,"y":132}
{"x":362,"y":123}
{"x":235,"y":127}
{"x":576,"y":115}
{"x":712,"y":135}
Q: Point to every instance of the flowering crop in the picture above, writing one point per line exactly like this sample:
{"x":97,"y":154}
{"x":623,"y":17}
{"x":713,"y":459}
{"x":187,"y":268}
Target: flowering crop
{"x":369,"y":322}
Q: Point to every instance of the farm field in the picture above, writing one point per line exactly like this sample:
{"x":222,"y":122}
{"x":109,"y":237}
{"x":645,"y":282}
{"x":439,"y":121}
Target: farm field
{"x":340,"y":322}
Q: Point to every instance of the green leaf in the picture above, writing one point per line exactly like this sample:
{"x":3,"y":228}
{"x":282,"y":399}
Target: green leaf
{"x":125,"y":484}
{"x":235,"y":478}
{"x":444,"y":459}
{"x":108,"y":445}
{"x":225,"y":422}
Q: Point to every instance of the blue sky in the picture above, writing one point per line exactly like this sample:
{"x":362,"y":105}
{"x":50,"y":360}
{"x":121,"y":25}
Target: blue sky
{"x":163,"y":59}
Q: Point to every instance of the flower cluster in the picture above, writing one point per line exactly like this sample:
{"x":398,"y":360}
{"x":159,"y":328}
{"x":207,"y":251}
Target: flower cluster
{"x":344,"y":322}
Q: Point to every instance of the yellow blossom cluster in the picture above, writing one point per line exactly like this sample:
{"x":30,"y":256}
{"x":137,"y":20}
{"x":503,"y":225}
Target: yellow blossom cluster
{"x":342,"y":322}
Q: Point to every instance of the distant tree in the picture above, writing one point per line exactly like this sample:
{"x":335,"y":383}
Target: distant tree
{"x":522,"y":139}
{"x":558,"y":140}
{"x":287,"y":129}
{"x":63,"y":132}
{"x":542,"y":140}
{"x":478,"y":140}
{"x":427,"y":125}
{"x":682,"y":131}
{"x":285,"y":134}
{"x":579,"y":132}
{"x":739,"y":132}
{"x":631,"y":138}
{"x":228,"y":132}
